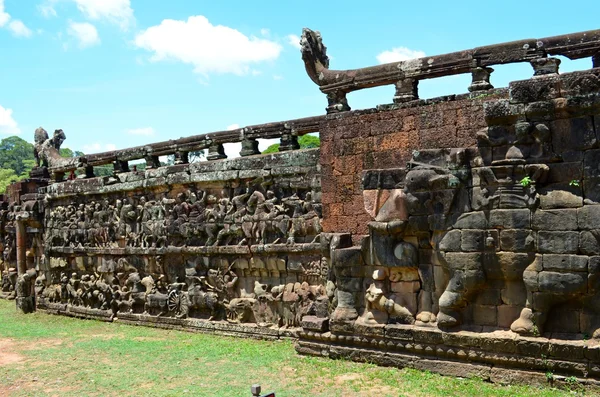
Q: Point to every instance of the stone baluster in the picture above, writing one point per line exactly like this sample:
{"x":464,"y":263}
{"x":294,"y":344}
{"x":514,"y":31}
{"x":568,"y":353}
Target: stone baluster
{"x":152,"y":162}
{"x":288,"y":142}
{"x":544,"y":66}
{"x":337,"y":102}
{"x":480,"y":79}
{"x":406,"y":90}
{"x":216,"y":151}
{"x":596,"y":61}
{"x":89,"y":171}
{"x":249,"y":147}
{"x":182,"y":158}
{"x":58,"y":176}
{"x":121,"y":166}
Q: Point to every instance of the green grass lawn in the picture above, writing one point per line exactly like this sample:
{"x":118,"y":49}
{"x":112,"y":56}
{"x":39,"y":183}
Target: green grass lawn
{"x":49,"y":355}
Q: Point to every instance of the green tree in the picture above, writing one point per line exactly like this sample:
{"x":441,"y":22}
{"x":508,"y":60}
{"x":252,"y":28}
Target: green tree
{"x":305,"y":142}
{"x":7,"y":177}
{"x":16,"y":154}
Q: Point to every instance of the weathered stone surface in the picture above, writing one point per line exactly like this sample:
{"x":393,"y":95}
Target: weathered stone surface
{"x":510,"y":219}
{"x":564,"y":283}
{"x":558,"y":242}
{"x":575,"y":263}
{"x":558,"y":219}
{"x":517,"y":240}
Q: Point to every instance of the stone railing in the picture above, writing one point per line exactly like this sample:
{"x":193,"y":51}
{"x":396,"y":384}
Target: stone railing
{"x":287,"y":131}
{"x":405,"y":75}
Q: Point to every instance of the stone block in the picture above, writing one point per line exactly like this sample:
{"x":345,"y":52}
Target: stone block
{"x":517,"y":240}
{"x":558,"y":198}
{"x":573,"y":134}
{"x":451,"y":241}
{"x":560,"y":174}
{"x":556,"y":219}
{"x":563,"y":242}
{"x":589,"y":242}
{"x":471,"y":220}
{"x":562,"y":283}
{"x":591,"y":164}
{"x":314,"y":323}
{"x":507,"y":314}
{"x":489,"y":296}
{"x":512,"y":264}
{"x":514,"y":294}
{"x":565,"y":263}
{"x":464,"y":261}
{"x":591,"y":190}
{"x":510,"y":219}
{"x":405,"y":287}
{"x":472,"y":240}
{"x":588,"y":217}
{"x":563,"y":319}
{"x":485,"y":315}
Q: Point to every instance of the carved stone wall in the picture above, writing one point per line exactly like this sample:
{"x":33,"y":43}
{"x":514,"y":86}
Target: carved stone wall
{"x":485,"y":253}
{"x":458,"y":234}
{"x":386,"y":138}
{"x":236,"y":242}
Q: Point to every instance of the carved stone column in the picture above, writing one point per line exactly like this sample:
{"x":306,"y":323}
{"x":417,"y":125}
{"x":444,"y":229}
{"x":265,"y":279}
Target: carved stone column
{"x":216,"y":152}
{"x":481,"y":79}
{"x":249,"y":147}
{"x":406,"y":90}
{"x":182,"y":158}
{"x":152,"y":162}
{"x":288,"y":142}
{"x":121,"y":166}
{"x":337,"y":102}
{"x":543,"y":66}
{"x":21,"y":232}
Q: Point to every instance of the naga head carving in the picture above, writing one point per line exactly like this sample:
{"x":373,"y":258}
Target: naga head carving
{"x":40,"y":136}
{"x":58,"y":139}
{"x":314,"y":53}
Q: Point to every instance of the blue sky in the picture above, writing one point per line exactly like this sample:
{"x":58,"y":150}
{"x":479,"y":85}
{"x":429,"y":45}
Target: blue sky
{"x":119,"y":73}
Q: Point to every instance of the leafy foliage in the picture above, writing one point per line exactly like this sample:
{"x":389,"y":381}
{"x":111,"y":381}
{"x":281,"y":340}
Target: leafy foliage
{"x":305,"y":142}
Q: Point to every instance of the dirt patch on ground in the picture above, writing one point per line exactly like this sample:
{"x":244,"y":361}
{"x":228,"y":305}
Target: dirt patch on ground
{"x":10,"y":358}
{"x":7,"y":356}
{"x":40,"y":344}
{"x":148,"y":339}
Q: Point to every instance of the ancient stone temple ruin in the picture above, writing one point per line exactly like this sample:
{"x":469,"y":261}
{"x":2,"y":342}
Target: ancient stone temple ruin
{"x":458,"y":234}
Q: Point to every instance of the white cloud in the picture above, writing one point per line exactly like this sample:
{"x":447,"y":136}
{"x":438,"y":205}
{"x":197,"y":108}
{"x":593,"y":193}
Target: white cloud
{"x":209,"y":48}
{"x":293,"y":40}
{"x":115,"y":11}
{"x":233,"y":127}
{"x":16,"y":26}
{"x":19,"y":29}
{"x":85,"y":33}
{"x":47,"y":10}
{"x":277,"y":77}
{"x":98,"y":147}
{"x":399,"y":54}
{"x":4,"y":16}
{"x":146,"y":131}
{"x":8,"y":125}
{"x":265,"y":32}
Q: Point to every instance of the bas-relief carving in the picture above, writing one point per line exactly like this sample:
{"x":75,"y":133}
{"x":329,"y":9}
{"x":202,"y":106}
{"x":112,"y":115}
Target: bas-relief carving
{"x":221,"y":293}
{"x":442,"y":224}
{"x":248,"y":215}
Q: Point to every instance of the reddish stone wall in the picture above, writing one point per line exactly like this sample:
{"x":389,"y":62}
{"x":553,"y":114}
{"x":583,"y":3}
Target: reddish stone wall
{"x":377,"y":139}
